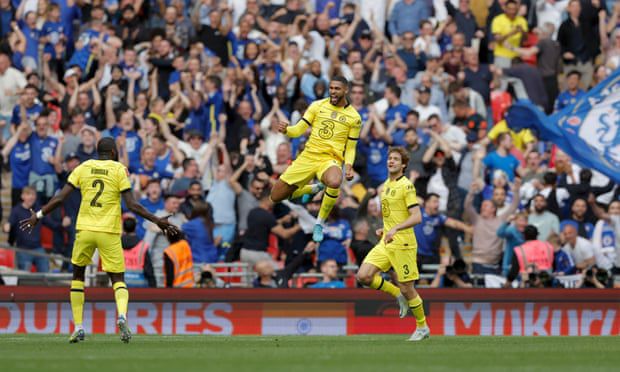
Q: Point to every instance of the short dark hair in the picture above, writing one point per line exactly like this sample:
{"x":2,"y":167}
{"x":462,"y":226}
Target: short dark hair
{"x":395,"y":89}
{"x":215,"y":80}
{"x":414,"y":113}
{"x":31,"y":86}
{"x":530,"y":233}
{"x":106,"y":145}
{"x":186,"y":162}
{"x":573,"y":72}
{"x":511,"y":2}
{"x":432,"y":194}
{"x":433,"y":116}
{"x":341,"y":79}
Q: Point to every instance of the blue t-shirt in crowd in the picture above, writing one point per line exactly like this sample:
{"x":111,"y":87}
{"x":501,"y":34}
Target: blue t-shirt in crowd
{"x":163,"y":163}
{"x":566,"y":99}
{"x":151,"y":206}
{"x":32,"y":113}
{"x":197,"y":120}
{"x":43,"y":149}
{"x":54,"y":30}
{"x":333,"y":13}
{"x":133,"y":146}
{"x":67,"y":15}
{"x":200,"y":241}
{"x":82,"y":57}
{"x":332,"y":285}
{"x":32,"y":41}
{"x":376,"y":152}
{"x":427,"y":234}
{"x":508,"y":164}
{"x":154,"y":173}
{"x":390,"y":115}
{"x":19,"y":161}
{"x":336,"y":232}
{"x":214,"y":107}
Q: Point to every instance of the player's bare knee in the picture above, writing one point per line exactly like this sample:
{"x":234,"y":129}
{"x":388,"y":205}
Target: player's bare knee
{"x":364,"y":278}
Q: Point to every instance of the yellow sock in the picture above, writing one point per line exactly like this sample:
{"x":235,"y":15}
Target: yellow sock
{"x":379,"y":283}
{"x":121,"y":295}
{"x":302,"y":191}
{"x":417,"y":308}
{"x":330,"y":197}
{"x":77,"y":301}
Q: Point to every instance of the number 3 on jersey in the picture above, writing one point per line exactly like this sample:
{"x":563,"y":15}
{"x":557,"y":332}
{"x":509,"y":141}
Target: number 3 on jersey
{"x":327,"y":131}
{"x":97,"y":184}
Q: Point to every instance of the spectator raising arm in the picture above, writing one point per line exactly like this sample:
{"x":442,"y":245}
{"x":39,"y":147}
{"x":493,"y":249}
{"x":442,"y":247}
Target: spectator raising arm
{"x":516,"y":187}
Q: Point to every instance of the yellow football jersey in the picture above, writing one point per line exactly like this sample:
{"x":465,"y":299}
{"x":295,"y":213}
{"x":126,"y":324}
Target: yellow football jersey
{"x":396,"y":198}
{"x":101,"y":183}
{"x":331,"y":127}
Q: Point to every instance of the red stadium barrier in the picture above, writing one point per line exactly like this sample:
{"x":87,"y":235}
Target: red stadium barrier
{"x":528,"y":312}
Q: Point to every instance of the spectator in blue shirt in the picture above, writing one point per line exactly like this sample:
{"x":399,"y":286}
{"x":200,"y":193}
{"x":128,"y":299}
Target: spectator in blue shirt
{"x":502,"y":158}
{"x":512,"y":233}
{"x":17,"y":149}
{"x":153,"y":201}
{"x":374,"y":144}
{"x":128,"y":140}
{"x":29,"y":108}
{"x":6,"y":17}
{"x":578,"y":215}
{"x":406,"y":16}
{"x":572,"y":93}
{"x":563,"y":263}
{"x":45,"y":162}
{"x":428,"y":232}
{"x":32,"y":34}
{"x":148,"y":169}
{"x":329,"y":269}
{"x":53,"y":29}
{"x":338,"y":235}
{"x":199,"y":234}
{"x":24,"y":239}
{"x":396,"y":114}
{"x":214,"y":106}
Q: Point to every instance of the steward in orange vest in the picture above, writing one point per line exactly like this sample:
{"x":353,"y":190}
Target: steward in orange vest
{"x":532,"y":256}
{"x":178,"y":264}
{"x":138,"y":266}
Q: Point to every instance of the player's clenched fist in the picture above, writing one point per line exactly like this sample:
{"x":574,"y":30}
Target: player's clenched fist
{"x":282,"y":125}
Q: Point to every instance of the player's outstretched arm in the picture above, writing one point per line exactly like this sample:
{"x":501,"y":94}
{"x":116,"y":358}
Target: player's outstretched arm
{"x":29,"y":223}
{"x":132,"y":204}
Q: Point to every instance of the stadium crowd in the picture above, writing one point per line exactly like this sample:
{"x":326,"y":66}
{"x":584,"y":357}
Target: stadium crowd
{"x":193,"y":91}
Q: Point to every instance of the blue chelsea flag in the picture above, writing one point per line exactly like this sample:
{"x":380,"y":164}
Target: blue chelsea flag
{"x":588,"y":131}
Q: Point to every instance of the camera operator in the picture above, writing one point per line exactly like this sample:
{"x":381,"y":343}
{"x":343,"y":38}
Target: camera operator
{"x":452,"y":276}
{"x":595,"y":278}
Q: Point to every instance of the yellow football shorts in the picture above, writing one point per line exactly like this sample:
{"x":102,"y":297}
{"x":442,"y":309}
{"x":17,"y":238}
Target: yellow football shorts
{"x":402,"y":260}
{"x":306,"y":167}
{"x":109,"y":246}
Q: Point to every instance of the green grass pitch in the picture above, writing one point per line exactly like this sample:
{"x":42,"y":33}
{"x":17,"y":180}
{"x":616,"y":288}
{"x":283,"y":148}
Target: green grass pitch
{"x":351,"y":353}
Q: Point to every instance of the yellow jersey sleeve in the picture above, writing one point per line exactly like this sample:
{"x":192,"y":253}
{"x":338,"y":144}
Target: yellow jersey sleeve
{"x":355,"y":129}
{"x":74,"y":177}
{"x":411,"y":198}
{"x":311,"y":112}
{"x":497,"y":129}
{"x":123,"y":179}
